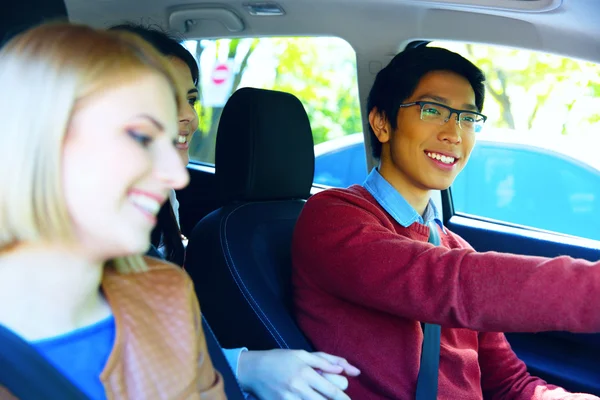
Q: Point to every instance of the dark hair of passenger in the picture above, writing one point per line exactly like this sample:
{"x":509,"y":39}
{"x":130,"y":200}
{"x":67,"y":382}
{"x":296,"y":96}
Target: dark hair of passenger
{"x":396,"y":82}
{"x":166,"y":233}
{"x":166,"y":43}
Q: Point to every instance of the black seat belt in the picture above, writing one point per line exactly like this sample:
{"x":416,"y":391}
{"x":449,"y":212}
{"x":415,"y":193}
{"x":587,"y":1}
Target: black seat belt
{"x":26,"y":374}
{"x":427,"y":381}
{"x":232,"y":387}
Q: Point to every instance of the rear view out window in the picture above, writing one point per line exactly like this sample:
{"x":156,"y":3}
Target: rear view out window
{"x":320,"y":71}
{"x":535,"y":163}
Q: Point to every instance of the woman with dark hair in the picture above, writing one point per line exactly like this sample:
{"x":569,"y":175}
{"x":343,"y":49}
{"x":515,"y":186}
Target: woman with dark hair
{"x":166,"y":237}
{"x":271,"y":374}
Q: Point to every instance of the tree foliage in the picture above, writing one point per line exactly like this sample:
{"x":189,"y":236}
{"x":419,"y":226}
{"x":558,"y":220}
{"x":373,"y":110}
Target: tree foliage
{"x":526,"y":90}
{"x":321,"y":72}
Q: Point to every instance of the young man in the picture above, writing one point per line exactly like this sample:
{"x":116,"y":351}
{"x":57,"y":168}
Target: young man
{"x":365,"y":275}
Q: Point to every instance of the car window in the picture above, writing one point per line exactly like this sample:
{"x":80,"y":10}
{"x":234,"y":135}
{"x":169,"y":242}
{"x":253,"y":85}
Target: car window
{"x":534,"y":164}
{"x":320,"y":71}
{"x":341,"y":162}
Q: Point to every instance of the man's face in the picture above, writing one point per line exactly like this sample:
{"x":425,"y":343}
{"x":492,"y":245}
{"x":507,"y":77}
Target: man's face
{"x":420,"y":155}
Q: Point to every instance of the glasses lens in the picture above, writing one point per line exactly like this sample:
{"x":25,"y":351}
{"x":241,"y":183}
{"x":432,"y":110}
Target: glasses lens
{"x":471,"y":122}
{"x":434,"y":113}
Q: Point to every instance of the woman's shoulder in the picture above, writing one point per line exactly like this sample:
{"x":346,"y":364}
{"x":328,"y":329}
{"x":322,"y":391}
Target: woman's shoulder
{"x":163,"y":292}
{"x":157,"y":264}
{"x":159,"y":277}
{"x":165,"y":272}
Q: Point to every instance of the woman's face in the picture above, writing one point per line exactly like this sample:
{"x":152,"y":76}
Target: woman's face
{"x":188,"y":118}
{"x":119,"y":164}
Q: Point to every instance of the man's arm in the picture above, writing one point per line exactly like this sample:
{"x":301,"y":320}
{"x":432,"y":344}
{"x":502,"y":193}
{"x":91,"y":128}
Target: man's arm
{"x":345,"y":248}
{"x":504,"y":376}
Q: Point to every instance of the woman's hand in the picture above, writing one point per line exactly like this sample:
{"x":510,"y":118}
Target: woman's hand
{"x":294,"y":375}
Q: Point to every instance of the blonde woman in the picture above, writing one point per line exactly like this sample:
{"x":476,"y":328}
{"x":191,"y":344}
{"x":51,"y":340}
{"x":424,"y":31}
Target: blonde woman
{"x":87,"y":154}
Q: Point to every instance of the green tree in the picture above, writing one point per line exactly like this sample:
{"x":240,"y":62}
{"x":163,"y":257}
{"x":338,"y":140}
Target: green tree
{"x":524,"y":84}
{"x":321,"y":72}
{"x":203,"y":144}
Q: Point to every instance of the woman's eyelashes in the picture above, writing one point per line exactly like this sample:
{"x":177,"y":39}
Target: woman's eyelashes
{"x":143,"y":139}
{"x":193,"y":100}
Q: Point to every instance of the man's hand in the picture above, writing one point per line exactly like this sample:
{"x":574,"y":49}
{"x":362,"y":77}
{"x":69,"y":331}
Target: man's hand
{"x":294,"y":375}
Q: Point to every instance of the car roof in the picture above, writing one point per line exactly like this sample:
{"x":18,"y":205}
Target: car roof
{"x":578,"y":149}
{"x":338,"y":143}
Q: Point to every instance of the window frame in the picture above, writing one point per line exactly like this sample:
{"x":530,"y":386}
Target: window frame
{"x":452,"y":217}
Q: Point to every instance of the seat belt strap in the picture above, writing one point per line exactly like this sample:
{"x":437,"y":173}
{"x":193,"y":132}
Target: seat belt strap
{"x":427,"y":381}
{"x":26,"y":374}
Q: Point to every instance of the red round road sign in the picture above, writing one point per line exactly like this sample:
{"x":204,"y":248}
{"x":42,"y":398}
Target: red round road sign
{"x":220,"y":74}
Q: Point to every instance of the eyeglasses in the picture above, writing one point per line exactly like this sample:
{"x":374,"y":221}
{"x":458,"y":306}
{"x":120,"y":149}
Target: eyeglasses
{"x":468,"y":121}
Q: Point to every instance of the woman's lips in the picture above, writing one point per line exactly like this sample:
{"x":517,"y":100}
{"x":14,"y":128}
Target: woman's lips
{"x":182,"y":141}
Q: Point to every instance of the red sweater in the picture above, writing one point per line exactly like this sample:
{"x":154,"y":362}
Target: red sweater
{"x":362,"y":282}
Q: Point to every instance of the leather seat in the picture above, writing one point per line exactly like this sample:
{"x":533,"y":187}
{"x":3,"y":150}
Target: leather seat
{"x":239,"y":255}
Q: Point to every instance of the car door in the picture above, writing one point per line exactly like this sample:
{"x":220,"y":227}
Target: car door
{"x":565,"y":359}
{"x":522,"y":186}
{"x":530,"y":186}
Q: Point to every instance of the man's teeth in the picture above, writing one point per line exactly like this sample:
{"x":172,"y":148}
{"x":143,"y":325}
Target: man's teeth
{"x":442,"y":158}
{"x":181,"y":139}
{"x":146,"y":203}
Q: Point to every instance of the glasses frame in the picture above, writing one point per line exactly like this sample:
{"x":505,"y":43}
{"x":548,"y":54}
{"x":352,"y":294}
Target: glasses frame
{"x":421,"y":104}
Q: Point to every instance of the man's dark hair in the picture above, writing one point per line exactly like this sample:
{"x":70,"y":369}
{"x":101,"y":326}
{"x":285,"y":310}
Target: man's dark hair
{"x":398,"y":80}
{"x":167,"y":44}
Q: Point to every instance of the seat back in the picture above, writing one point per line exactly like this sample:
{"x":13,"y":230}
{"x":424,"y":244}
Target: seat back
{"x":239,"y":255}
{"x":233,"y":391}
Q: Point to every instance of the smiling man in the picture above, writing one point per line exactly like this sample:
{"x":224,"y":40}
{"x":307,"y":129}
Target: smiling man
{"x":365,"y":276}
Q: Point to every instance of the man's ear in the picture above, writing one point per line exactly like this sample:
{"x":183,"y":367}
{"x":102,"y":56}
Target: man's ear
{"x":380,"y":125}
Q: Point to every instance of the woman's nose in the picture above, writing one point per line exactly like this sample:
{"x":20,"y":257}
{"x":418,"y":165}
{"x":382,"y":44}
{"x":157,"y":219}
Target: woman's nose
{"x":171,"y":170}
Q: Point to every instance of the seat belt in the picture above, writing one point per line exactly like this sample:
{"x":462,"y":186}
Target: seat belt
{"x":26,"y":374}
{"x":231,"y":385}
{"x":427,"y":381}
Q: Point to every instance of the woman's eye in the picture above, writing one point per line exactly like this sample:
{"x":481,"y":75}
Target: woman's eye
{"x":192,"y":101}
{"x":141,"y":138}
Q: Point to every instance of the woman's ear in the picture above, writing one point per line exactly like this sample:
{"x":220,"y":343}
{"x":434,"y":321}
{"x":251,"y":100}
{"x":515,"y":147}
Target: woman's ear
{"x":380,"y":125}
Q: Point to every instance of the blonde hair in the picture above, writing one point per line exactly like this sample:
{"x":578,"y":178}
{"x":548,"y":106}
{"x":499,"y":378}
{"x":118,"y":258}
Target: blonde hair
{"x":44,"y":73}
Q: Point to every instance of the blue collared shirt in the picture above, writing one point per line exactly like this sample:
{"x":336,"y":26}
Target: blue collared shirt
{"x":393,"y":202}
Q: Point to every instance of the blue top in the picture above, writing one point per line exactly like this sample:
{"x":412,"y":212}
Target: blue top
{"x":396,"y":205}
{"x":81,"y":355}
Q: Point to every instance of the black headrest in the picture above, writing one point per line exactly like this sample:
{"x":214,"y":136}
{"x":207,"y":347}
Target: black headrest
{"x":264,"y":147}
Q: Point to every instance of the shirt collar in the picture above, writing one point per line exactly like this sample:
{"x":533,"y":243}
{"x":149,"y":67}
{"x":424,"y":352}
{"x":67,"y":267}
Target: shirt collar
{"x":393,"y":202}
